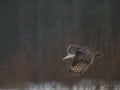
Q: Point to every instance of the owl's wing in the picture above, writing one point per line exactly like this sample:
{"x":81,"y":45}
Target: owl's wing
{"x":81,"y":62}
{"x":79,"y":57}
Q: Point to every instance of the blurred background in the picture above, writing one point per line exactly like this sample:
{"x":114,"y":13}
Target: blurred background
{"x":34,"y":35}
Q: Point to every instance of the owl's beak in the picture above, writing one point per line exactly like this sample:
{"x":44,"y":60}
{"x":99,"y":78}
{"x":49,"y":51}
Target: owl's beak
{"x":68,"y":56}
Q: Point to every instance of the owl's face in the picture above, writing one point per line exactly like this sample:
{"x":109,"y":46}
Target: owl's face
{"x":71,"y":51}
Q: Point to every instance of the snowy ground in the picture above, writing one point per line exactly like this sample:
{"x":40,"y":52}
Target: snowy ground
{"x":82,"y":85}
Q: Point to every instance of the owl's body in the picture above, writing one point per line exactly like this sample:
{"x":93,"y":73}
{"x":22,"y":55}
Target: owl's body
{"x":82,"y":57}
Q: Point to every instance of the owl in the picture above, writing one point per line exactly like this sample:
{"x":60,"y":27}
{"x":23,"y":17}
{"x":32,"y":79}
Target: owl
{"x":82,"y":57}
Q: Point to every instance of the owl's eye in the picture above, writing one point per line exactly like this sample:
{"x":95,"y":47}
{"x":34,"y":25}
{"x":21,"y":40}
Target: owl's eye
{"x":70,"y":50}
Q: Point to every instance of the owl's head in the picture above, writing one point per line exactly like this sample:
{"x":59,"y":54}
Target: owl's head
{"x":71,"y":50}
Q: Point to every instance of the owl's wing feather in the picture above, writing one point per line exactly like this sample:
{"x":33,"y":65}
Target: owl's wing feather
{"x":81,"y":62}
{"x":79,"y":57}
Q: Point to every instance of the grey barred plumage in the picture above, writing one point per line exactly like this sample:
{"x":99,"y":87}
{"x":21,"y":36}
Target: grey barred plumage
{"x":82,"y":57}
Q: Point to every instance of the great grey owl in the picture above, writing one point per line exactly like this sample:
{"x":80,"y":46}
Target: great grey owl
{"x":82,"y":57}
